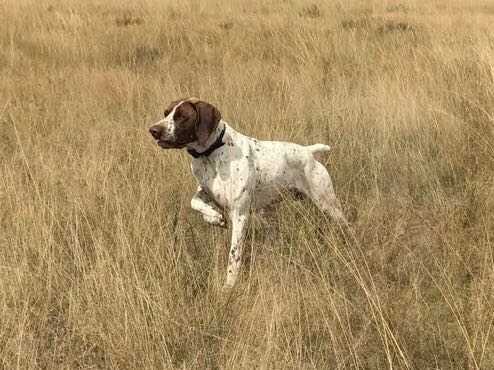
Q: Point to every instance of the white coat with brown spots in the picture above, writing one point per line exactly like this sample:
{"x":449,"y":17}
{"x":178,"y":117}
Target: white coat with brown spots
{"x":237,"y":174}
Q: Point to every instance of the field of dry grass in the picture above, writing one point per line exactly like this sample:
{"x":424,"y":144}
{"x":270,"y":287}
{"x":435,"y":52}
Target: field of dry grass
{"x":103,"y":264}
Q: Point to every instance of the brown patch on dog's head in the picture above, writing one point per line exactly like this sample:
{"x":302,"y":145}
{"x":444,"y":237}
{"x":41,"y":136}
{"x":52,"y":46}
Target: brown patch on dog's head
{"x":170,"y":107}
{"x":185,"y":120}
{"x":193,"y":120}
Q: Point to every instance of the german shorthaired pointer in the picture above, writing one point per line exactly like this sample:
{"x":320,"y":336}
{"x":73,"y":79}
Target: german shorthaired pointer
{"x":236,"y":173}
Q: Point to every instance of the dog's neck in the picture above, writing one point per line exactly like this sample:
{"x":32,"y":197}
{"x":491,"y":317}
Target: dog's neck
{"x":214,"y":141}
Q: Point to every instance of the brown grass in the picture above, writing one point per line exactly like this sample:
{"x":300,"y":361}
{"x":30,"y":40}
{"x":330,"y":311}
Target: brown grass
{"x":102,"y":263}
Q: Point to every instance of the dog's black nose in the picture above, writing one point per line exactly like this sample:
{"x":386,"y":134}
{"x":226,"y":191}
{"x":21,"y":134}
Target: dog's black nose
{"x":155,"y":131}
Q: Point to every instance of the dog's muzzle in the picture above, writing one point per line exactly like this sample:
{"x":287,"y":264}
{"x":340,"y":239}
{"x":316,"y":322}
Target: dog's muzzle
{"x":156,"y":132}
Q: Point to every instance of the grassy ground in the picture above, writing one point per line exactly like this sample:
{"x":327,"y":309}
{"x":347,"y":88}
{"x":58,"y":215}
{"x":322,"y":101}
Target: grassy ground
{"x":103,"y":264}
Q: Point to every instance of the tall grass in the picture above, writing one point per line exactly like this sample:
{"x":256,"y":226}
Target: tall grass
{"x":103,"y":264}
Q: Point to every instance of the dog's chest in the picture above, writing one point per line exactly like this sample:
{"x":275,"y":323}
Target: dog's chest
{"x":215,"y":178}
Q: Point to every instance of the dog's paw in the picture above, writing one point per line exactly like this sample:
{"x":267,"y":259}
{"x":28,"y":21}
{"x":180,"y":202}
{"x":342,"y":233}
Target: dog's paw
{"x":217,"y":220}
{"x":227,"y":287}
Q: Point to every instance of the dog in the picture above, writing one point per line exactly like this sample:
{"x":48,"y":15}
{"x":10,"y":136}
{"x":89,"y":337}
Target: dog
{"x":237,"y":174}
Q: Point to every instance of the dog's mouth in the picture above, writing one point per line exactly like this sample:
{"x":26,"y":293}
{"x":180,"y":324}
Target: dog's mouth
{"x":166,"y":144}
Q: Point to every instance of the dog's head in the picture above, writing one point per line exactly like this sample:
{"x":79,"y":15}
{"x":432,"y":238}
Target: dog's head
{"x":185,"y":121}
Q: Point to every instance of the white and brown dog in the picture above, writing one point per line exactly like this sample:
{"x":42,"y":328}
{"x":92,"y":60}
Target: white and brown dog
{"x":237,"y":174}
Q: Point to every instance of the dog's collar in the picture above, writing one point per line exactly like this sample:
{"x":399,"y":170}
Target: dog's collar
{"x":217,"y":144}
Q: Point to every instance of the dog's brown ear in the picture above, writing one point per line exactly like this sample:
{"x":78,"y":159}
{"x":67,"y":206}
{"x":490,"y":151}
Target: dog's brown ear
{"x":209,"y":117}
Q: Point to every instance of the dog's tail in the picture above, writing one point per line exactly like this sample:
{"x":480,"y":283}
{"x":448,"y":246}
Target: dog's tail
{"x":317,"y":150}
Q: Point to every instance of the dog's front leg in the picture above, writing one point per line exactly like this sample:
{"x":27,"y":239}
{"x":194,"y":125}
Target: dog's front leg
{"x":202,"y":203}
{"x":239,"y":219}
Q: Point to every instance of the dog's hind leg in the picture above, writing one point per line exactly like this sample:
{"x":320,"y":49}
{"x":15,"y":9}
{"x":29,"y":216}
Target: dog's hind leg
{"x":319,"y":188}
